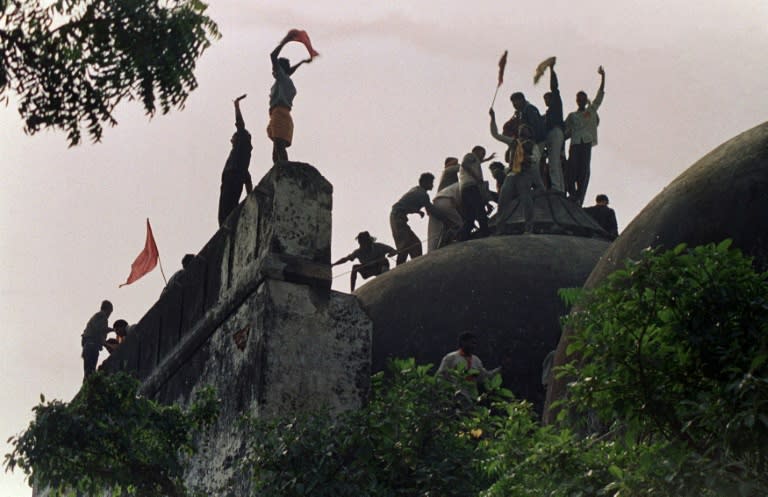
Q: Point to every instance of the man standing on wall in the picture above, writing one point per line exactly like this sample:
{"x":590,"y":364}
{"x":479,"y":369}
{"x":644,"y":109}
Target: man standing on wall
{"x":94,"y":337}
{"x":235,"y":174}
{"x":581,"y":127}
{"x":280,"y":128}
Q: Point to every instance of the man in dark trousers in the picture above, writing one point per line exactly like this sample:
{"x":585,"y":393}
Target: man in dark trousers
{"x":554,"y":126}
{"x":94,"y":337}
{"x":235,"y":173}
{"x":372,"y":257}
{"x":406,"y":241}
{"x":604,"y":215}
{"x":581,"y":128}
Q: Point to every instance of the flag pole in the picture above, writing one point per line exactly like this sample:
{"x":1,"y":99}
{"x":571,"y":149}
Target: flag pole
{"x":494,"y":96}
{"x":160,"y":263}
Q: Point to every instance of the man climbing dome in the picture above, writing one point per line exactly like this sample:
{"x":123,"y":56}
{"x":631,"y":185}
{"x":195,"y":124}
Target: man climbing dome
{"x":406,"y":241}
{"x":372,"y":256}
{"x":235,"y":174}
{"x":280,"y":128}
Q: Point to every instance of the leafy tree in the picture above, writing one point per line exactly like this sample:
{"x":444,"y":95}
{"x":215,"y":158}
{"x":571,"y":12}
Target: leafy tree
{"x":109,"y":438}
{"x":72,"y":61}
{"x":414,"y":438}
{"x":674,"y":348}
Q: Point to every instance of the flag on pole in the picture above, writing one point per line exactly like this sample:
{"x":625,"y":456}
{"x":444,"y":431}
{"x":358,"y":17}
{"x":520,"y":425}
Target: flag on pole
{"x":302,"y":37}
{"x":502,"y":66}
{"x":147,"y":259}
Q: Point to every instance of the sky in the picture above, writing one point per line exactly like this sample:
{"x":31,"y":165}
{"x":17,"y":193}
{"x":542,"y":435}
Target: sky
{"x":398,"y":87}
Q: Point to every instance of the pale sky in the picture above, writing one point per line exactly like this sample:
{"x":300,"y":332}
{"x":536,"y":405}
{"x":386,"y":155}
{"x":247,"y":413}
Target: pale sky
{"x":398,"y":87}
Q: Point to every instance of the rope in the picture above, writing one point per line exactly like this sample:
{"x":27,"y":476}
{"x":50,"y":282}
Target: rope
{"x":389,"y":256}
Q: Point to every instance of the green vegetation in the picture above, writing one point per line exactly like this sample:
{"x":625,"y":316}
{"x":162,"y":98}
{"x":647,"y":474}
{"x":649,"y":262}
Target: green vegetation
{"x":670,"y":370}
{"x":108,"y":437}
{"x":72,"y":61}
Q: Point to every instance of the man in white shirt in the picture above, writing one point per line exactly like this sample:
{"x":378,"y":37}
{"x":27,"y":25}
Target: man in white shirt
{"x":465,"y":360}
{"x":581,"y":127}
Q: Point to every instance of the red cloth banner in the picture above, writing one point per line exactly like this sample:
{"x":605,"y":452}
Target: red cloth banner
{"x":147,"y":259}
{"x":502,"y":66}
{"x":302,"y":37}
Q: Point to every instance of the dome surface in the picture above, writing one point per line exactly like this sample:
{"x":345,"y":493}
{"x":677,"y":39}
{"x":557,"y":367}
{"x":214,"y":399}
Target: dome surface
{"x":723,"y":195}
{"x":503,"y":288}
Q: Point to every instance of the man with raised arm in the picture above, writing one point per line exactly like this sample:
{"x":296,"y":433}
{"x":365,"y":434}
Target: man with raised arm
{"x":235,"y":174}
{"x":553,"y":128}
{"x":581,"y":128}
{"x":280,"y":128}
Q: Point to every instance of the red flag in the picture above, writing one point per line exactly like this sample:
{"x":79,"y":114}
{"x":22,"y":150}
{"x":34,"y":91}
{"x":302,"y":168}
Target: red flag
{"x":147,"y":259}
{"x":502,"y":65}
{"x":302,"y":37}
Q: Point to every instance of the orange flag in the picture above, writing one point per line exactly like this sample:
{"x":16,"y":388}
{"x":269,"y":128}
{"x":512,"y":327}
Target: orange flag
{"x":147,"y":259}
{"x":502,"y":65}
{"x":302,"y":37}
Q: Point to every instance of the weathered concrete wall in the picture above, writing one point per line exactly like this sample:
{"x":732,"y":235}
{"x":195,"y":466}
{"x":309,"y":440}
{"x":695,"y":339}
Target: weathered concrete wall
{"x":255,"y":318}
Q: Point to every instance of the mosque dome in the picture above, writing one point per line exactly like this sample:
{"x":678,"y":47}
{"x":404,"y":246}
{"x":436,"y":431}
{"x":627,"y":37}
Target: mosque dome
{"x":723,"y":195}
{"x":503,"y":288}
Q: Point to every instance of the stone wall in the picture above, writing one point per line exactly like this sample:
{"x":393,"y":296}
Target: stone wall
{"x":254,"y":317}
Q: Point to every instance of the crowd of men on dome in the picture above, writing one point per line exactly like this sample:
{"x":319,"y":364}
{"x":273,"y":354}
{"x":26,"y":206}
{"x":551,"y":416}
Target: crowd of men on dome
{"x":535,"y":163}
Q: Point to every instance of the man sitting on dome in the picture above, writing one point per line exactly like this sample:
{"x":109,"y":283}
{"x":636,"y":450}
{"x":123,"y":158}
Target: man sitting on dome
{"x":372,"y":257}
{"x":604,"y":215}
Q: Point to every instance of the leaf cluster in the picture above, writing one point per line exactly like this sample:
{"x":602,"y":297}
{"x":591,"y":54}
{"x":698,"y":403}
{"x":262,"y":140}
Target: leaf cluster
{"x":416,"y":437}
{"x":108,"y":437}
{"x":72,"y":61}
{"x":675,"y":348}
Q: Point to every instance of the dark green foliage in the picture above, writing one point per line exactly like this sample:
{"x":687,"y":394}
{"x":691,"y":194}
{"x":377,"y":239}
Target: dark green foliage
{"x":108,"y":437}
{"x":672,"y":366}
{"x":414,"y":438}
{"x":72,"y":61}
{"x":674,"y":348}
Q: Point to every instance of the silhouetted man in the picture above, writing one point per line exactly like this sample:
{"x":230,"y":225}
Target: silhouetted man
{"x":450,"y":174}
{"x":553,"y":129}
{"x":280,"y":128}
{"x":94,"y":337}
{"x":235,"y":174}
{"x":529,"y":115}
{"x":522,"y":176}
{"x":412,"y":202}
{"x":604,"y":215}
{"x":121,"y":332}
{"x":472,"y":199}
{"x":581,"y":128}
{"x":372,"y":256}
